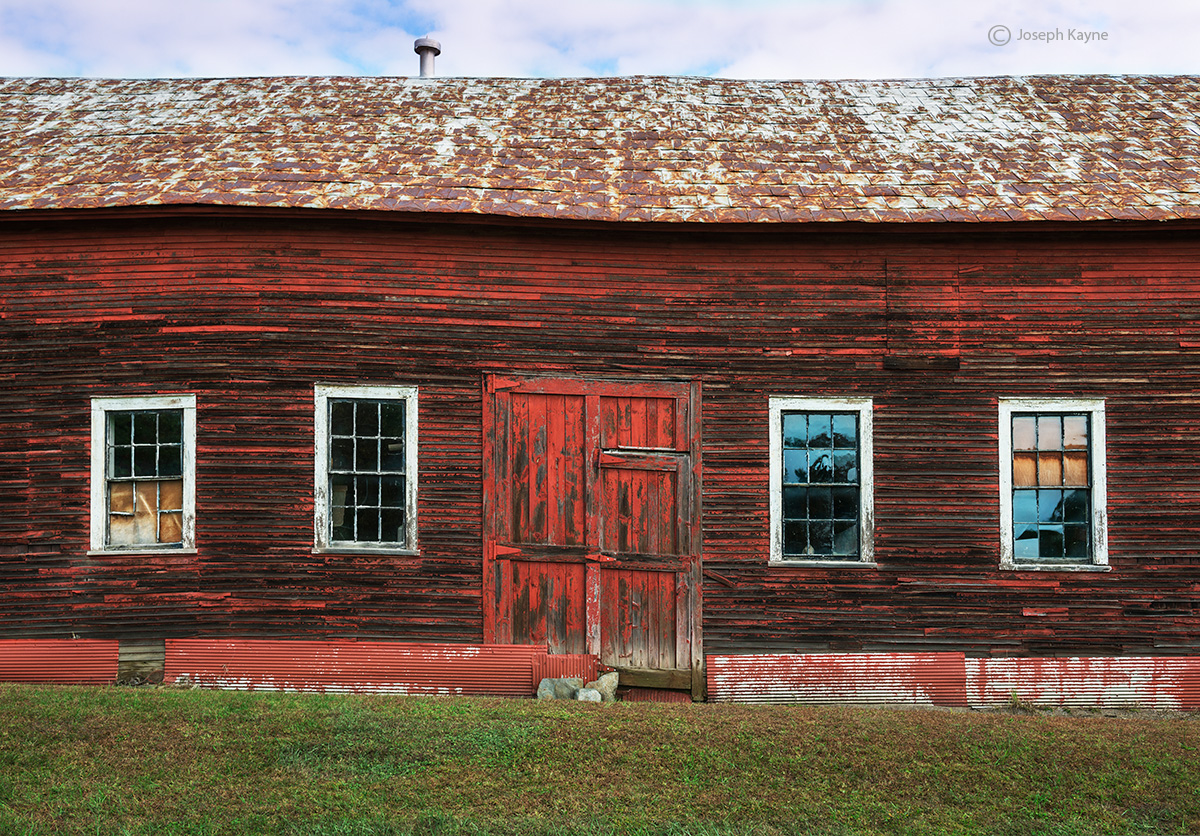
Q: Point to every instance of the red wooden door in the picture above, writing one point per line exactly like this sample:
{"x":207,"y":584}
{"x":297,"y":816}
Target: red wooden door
{"x":591,"y":539}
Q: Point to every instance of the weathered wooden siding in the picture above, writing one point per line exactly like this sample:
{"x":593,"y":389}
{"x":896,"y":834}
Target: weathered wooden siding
{"x":247,"y":311}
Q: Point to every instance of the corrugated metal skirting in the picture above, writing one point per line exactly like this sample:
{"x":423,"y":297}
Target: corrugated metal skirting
{"x":951,"y":679}
{"x":64,"y":661}
{"x":356,"y":667}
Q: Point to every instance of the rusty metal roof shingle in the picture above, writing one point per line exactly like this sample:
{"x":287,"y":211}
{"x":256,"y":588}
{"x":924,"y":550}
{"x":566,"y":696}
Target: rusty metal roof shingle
{"x":614,"y":149}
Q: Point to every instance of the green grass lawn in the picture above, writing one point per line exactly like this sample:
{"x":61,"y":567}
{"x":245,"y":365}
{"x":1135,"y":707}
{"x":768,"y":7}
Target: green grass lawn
{"x":161,"y":761}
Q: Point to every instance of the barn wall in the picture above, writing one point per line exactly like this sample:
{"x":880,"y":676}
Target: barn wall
{"x":248,"y":311}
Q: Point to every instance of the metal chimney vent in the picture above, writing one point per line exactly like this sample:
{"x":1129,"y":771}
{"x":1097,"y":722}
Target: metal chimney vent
{"x":428,"y":49}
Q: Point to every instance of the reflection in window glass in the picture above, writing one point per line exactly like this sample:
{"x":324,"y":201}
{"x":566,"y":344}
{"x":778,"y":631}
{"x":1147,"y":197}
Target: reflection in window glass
{"x":821,"y":492}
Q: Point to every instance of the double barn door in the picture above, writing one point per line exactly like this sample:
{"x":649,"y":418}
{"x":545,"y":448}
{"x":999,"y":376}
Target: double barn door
{"x":591,"y":533}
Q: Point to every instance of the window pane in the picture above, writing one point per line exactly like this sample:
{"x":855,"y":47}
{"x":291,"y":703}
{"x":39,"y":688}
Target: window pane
{"x":1077,"y":540}
{"x":1050,"y":506}
{"x":170,"y":426}
{"x":795,"y":466}
{"x":1024,"y":432}
{"x":120,"y":428}
{"x":1049,"y":430}
{"x":145,"y":427}
{"x":845,"y":538}
{"x":392,"y":528}
{"x":1050,"y":541}
{"x":820,"y":536}
{"x":368,"y":490}
{"x":392,"y":492}
{"x":366,"y":455}
{"x":795,"y":429}
{"x":1075,"y":432}
{"x":1075,"y":507}
{"x":845,"y":466}
{"x":820,"y":468}
{"x":145,"y":461}
{"x":170,"y":527}
{"x":795,"y":502}
{"x":366,"y":418}
{"x":1024,"y":470}
{"x":1025,"y":507}
{"x":845,"y":503}
{"x":170,"y":495}
{"x":1075,"y":468}
{"x":368,"y":524}
{"x":341,"y":454}
{"x":845,"y":431}
{"x":392,"y":419}
{"x":819,"y":433}
{"x":1049,"y":469}
{"x":795,"y":536}
{"x":1025,"y":541}
{"x":120,"y":498}
{"x":170,"y":460}
{"x":820,"y":503}
{"x":341,"y":418}
{"x":120,"y":462}
{"x":393,"y":454}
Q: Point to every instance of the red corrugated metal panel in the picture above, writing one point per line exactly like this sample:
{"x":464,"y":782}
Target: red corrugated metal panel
{"x":566,"y":664}
{"x":1088,"y":682}
{"x":353,"y":667}
{"x":66,"y":661}
{"x":911,"y":678}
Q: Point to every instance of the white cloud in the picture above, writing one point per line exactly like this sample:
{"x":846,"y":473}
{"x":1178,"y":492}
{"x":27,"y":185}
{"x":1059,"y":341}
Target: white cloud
{"x":749,"y":39}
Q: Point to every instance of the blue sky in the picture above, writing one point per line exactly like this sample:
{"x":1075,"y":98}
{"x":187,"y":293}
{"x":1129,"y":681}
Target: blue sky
{"x":747,"y":39}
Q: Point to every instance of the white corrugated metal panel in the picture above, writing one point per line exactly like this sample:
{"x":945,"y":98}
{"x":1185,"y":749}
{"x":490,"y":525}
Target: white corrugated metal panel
{"x":1086,"y":682}
{"x":862,"y":678}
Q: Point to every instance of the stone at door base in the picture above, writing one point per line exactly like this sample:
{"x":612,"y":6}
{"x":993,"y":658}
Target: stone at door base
{"x":563,"y":688}
{"x":588,"y":695}
{"x":607,"y":686}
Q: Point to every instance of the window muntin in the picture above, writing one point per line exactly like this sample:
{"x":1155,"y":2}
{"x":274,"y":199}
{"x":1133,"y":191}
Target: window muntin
{"x":1052,"y":483}
{"x":366,"y":468}
{"x":143,"y":473}
{"x":821,"y":480}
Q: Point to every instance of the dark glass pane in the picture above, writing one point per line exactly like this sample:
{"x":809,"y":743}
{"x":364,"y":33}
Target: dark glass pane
{"x":170,"y":460}
{"x":1049,"y":430}
{"x":145,"y":461}
{"x":795,"y":466}
{"x":1025,"y":541}
{"x":1025,"y":506}
{"x":845,"y":466}
{"x":1050,"y":506}
{"x":393,"y":525}
{"x":820,"y":468}
{"x":1075,"y":507}
{"x":795,"y":503}
{"x":795,"y":536}
{"x":341,"y":418}
{"x":368,"y":490}
{"x":392,"y":491}
{"x":368,"y":524}
{"x":393,"y":454}
{"x":366,"y":455}
{"x":120,"y":428}
{"x":392,"y":419}
{"x":795,"y":429}
{"x":845,"y":431}
{"x":170,"y":427}
{"x":1077,"y":541}
{"x":121,"y":463}
{"x":366,"y":418}
{"x":145,"y":427}
{"x":845,"y":503}
{"x":845,"y":538}
{"x":341,"y":454}
{"x":343,"y":491}
{"x":1050,"y":541}
{"x":820,"y":504}
{"x":819,"y":432}
{"x":820,"y":536}
{"x":343,"y":531}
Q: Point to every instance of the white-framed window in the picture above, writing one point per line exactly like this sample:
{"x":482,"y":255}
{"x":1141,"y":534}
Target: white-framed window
{"x":143,"y":474}
{"x":822,"y":481}
{"x":365,"y":491}
{"x":1053,"y":500}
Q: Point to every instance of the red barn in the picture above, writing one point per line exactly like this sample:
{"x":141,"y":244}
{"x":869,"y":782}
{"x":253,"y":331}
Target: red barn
{"x":861,"y":391}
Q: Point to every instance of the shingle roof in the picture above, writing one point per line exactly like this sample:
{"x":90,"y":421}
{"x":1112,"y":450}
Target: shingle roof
{"x":645,"y":149}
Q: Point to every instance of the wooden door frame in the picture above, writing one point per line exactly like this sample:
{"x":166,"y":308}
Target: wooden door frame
{"x":689,"y":600}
